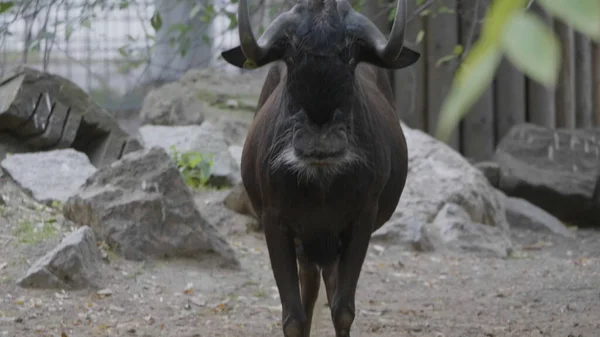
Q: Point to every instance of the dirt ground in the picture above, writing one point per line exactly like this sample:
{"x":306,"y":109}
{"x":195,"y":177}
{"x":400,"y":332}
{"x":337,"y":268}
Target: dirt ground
{"x":549,"y":287}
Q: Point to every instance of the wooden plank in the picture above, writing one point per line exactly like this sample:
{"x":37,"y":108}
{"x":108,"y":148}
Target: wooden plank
{"x":541,"y":105}
{"x":409,"y":83}
{"x":565,"y":90}
{"x":477,"y":132}
{"x":510,"y":98}
{"x":583,"y":81}
{"x":442,"y":37}
{"x":596,"y":82}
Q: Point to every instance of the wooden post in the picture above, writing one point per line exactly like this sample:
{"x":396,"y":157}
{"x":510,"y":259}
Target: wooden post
{"x":477,"y":133}
{"x":565,"y":91}
{"x":596,"y":82}
{"x":442,"y":38}
{"x":510,"y":100}
{"x":583,"y":81}
{"x":409,"y":83}
{"x":541,"y":106}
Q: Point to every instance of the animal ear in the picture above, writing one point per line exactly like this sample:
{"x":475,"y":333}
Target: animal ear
{"x":235,"y":56}
{"x":406,"y":58}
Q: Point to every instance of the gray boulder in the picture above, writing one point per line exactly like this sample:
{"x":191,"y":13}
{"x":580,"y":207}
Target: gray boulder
{"x":172,"y":104}
{"x":50,"y":175}
{"x":142,"y":208}
{"x":557,"y":170}
{"x":491,"y":170}
{"x":65,"y":116}
{"x":454,"y":228}
{"x":73,"y":264}
{"x":439,"y":176}
{"x":525,"y":215}
{"x":206,"y":139}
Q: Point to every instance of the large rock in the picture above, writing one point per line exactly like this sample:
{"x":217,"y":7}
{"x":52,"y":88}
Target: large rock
{"x":205,"y":139}
{"x":557,"y":170}
{"x":73,"y":264}
{"x":454,"y":227}
{"x":44,"y":111}
{"x":520,"y":213}
{"x":142,"y":208}
{"x":49,"y":175}
{"x":172,"y":104}
{"x":441,"y":187}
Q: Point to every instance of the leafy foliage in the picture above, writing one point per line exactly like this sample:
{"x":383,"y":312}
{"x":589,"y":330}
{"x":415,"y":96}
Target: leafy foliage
{"x":195,"y":168}
{"x":525,"y":40}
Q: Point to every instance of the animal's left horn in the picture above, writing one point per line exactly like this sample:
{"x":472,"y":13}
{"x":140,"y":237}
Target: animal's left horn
{"x":387,"y":49}
{"x":257,"y":50}
{"x":395,"y":42}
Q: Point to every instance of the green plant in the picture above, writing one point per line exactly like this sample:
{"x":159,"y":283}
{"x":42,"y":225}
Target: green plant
{"x":29,"y":233}
{"x":195,"y":168}
{"x":529,"y":44}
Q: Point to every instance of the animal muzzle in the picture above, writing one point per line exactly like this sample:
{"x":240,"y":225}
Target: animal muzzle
{"x":320,"y":147}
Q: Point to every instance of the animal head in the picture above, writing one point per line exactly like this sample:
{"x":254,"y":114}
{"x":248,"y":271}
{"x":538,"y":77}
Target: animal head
{"x":321,"y":43}
{"x":329,"y":31}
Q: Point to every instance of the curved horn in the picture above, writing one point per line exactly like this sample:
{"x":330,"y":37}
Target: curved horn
{"x":387,"y":49}
{"x":256,"y":50}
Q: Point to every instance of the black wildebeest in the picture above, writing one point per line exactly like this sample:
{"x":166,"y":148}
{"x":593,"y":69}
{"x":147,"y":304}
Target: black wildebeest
{"x":325,"y":159}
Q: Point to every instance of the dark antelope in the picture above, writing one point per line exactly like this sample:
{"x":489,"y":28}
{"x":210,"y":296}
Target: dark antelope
{"x":325,"y":160}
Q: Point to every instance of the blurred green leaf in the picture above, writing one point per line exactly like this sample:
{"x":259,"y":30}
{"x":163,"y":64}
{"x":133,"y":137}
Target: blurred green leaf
{"x":156,"y":21}
{"x":532,"y":47}
{"x":6,"y":5}
{"x":471,"y":80}
{"x":583,"y":15}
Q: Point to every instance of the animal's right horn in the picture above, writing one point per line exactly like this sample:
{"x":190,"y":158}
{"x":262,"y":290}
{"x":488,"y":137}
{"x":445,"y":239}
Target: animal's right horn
{"x":257,"y":50}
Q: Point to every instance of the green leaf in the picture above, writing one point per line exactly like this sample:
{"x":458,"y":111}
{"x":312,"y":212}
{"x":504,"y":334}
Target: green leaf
{"x":532,"y":47}
{"x":458,"y":50}
{"x":583,"y":15}
{"x":156,"y":21}
{"x":195,"y":10}
{"x":86,"y":23}
{"x":68,"y":31}
{"x":5,"y":6}
{"x":498,"y":16}
{"x":471,"y":80}
{"x":420,"y":36}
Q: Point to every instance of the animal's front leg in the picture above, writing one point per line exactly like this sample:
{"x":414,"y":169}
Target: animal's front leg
{"x":354,"y":249}
{"x":282,"y":255}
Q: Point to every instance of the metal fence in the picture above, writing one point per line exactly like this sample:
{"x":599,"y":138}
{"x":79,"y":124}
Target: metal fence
{"x":90,"y":56}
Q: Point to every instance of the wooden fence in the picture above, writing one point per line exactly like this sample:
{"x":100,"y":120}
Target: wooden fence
{"x":511,"y":99}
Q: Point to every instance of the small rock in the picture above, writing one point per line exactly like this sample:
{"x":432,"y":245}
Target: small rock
{"x":237,"y":200}
{"x":50,"y":175}
{"x":141,"y":207}
{"x":232,"y":104}
{"x":104,"y":292}
{"x":523,"y":214}
{"x":206,"y":139}
{"x":73,"y":264}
